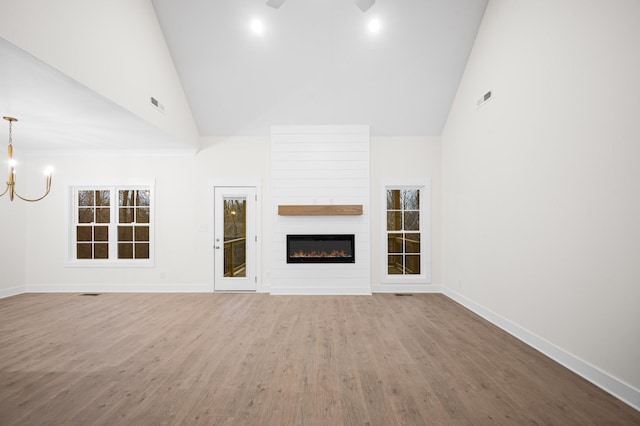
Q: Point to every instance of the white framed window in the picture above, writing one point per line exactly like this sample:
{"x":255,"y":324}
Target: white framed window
{"x":407,"y":233}
{"x":111,"y":226}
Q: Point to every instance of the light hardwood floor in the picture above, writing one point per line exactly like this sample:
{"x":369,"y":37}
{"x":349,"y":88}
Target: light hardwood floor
{"x":253,"y":359}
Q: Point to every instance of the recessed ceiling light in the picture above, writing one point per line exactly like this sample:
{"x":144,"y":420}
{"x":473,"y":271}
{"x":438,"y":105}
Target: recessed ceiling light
{"x":374,"y":25}
{"x":256,"y":26}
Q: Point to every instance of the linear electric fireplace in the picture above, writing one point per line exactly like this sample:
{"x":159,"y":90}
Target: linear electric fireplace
{"x":326,"y":248}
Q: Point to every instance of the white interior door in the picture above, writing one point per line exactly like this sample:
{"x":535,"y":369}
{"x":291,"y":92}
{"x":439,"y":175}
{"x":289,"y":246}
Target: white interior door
{"x":235,"y":238}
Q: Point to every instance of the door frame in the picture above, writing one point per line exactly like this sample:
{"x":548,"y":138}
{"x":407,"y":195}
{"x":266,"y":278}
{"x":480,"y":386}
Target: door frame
{"x":257,"y":184}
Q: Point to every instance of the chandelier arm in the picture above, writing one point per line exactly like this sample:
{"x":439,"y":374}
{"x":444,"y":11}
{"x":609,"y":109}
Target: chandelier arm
{"x":35,"y":199}
{"x":5,"y":190}
{"x":31,"y":200}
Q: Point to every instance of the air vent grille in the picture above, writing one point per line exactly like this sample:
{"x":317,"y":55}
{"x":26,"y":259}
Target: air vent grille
{"x":484,"y":99}
{"x":156,"y":103}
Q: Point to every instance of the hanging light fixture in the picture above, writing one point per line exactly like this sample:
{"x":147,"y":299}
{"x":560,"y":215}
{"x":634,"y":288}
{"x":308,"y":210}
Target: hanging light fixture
{"x":11,"y":183}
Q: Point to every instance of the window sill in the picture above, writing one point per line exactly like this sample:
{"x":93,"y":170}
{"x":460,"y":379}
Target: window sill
{"x":94,"y":263}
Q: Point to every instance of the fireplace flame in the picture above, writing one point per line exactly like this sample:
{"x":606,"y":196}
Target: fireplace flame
{"x":314,"y":253}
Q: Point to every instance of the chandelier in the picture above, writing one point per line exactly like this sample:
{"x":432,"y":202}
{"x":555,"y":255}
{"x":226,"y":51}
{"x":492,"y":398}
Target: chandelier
{"x":11,"y":183}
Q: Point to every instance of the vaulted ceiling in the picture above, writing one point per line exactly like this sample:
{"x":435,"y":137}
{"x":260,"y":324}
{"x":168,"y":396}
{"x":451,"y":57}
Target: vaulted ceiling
{"x":314,"y":63}
{"x":58,"y":114}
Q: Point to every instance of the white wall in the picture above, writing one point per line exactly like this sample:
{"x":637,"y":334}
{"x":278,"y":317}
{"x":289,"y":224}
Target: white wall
{"x":183,"y":212}
{"x":406,"y":159}
{"x":542,"y":183}
{"x":320,"y":165}
{"x":116,"y":49}
{"x":12,"y":244}
{"x":184,"y":216}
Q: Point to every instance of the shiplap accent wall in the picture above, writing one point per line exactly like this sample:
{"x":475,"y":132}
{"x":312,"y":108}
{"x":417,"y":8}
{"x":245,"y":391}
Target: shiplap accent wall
{"x":320,"y":165}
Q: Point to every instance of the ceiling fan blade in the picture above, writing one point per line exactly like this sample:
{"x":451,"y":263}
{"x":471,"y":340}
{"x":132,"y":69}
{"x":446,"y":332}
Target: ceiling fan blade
{"x":275,"y":3}
{"x":364,"y":5}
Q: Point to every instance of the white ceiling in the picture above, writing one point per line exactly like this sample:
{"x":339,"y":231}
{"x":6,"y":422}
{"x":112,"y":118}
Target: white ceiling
{"x":316,"y":62}
{"x":57,"y":114}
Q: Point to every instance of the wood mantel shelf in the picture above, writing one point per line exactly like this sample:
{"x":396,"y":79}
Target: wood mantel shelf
{"x":320,"y":210}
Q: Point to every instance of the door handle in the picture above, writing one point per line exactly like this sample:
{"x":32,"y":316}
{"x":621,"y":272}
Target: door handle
{"x":217,"y":247}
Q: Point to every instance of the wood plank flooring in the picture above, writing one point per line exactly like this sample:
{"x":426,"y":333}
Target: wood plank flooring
{"x":254,"y":359}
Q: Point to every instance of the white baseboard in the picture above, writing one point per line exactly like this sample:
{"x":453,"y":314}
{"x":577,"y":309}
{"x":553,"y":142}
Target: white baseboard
{"x":13,"y":291}
{"x":608,"y":383}
{"x":283,"y":291}
{"x":119,"y":288}
{"x":406,"y":288}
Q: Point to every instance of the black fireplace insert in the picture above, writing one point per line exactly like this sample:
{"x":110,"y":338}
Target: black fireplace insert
{"x":321,"y":248}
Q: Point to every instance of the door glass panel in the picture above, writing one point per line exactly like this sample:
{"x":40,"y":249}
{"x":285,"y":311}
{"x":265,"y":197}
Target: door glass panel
{"x":412,"y":265}
{"x":393,"y":199}
{"x":394,"y":265}
{"x":411,"y":221}
{"x":411,"y":198}
{"x":235,"y":233}
{"x":412,"y":243}
{"x":394,"y":220}
{"x":394,"y":243}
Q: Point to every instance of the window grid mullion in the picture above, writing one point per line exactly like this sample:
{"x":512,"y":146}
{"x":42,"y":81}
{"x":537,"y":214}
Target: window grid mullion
{"x":112,"y":226}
